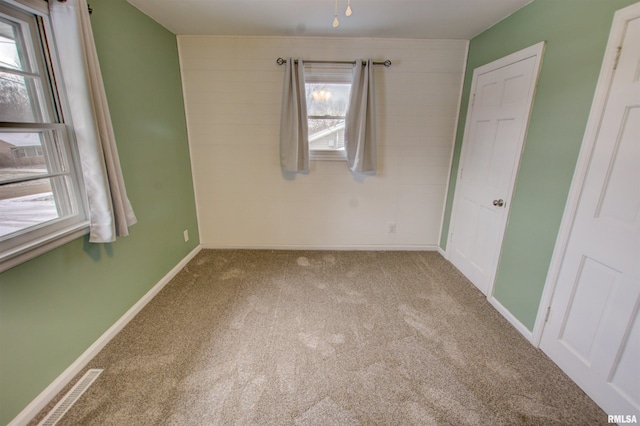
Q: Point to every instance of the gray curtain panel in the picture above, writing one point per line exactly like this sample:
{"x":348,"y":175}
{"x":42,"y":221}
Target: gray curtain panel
{"x":360,"y":126}
{"x":109,"y":207}
{"x":294,"y":135}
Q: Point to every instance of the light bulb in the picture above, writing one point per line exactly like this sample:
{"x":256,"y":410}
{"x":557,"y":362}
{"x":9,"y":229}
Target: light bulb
{"x":348,"y":11}
{"x":335,"y":21}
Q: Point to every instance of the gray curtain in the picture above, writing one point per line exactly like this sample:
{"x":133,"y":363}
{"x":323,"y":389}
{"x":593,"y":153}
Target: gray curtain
{"x":294,"y":135}
{"x":360,"y":126}
{"x":109,"y":207}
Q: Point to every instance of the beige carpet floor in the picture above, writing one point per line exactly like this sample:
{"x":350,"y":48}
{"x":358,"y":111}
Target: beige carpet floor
{"x":325,"y":338}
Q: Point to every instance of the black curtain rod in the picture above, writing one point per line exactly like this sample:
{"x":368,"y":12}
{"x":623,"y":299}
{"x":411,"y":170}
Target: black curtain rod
{"x":386,"y":63}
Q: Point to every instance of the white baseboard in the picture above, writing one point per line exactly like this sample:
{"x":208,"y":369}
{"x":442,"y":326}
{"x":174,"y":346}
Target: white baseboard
{"x":443,"y":253}
{"x":63,"y":379}
{"x":512,"y":319}
{"x":366,"y":247}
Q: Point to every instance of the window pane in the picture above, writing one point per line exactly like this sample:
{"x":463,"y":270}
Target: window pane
{"x":327,"y":99}
{"x":19,"y":99}
{"x":29,"y":154}
{"x":26,"y":204}
{"x":326,"y":134}
{"x":9,"y":56}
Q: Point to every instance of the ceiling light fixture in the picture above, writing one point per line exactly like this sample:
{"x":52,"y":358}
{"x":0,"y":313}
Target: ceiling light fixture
{"x":348,"y":11}
{"x":335,"y":16}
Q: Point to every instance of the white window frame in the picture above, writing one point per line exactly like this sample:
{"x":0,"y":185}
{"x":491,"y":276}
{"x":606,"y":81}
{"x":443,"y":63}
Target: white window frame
{"x":30,"y":242}
{"x":331,"y":73}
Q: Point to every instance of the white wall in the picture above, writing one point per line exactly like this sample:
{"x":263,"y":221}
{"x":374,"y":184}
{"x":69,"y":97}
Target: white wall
{"x":232,"y":89}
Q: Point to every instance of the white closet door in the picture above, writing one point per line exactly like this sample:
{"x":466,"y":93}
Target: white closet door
{"x":502,"y":94}
{"x":593,"y":331}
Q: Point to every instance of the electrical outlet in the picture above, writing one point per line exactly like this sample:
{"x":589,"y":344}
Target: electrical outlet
{"x":186,"y":235}
{"x":391,"y":228}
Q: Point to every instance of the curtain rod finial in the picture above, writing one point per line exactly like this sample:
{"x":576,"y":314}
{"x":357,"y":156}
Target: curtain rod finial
{"x":281,"y":61}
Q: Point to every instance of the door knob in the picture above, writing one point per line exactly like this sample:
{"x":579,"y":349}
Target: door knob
{"x":498,"y":203}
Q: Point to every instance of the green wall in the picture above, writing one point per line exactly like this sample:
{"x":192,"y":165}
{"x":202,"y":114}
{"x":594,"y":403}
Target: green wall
{"x":54,"y":307}
{"x":576,"y":32}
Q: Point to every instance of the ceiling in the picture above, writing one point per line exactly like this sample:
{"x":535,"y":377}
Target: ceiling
{"x":421,"y":19}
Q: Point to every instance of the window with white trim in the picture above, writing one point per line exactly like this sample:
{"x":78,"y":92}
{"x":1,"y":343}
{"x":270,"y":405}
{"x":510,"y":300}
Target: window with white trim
{"x":327,"y":90}
{"x":42,"y":200}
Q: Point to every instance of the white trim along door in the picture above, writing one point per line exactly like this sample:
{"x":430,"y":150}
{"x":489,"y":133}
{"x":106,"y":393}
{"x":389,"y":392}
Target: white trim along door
{"x":501,"y":98}
{"x":593,"y":289}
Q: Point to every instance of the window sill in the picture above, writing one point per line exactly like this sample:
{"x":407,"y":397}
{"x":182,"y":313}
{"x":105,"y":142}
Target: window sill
{"x":328,"y":155}
{"x":35,"y":248}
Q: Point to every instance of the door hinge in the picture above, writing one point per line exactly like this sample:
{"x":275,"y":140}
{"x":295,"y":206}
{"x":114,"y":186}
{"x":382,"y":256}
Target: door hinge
{"x":617,"y":58}
{"x":473,"y":100}
{"x":546,"y":316}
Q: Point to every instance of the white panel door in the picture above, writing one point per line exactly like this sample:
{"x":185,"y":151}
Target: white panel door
{"x":502,"y":94}
{"x":593,"y":330}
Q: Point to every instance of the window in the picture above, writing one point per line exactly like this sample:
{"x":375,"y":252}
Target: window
{"x":41,"y":200}
{"x":327,"y":93}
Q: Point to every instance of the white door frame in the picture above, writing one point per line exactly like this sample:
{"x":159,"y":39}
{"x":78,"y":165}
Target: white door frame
{"x":616,"y":37}
{"x":536,"y":50}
